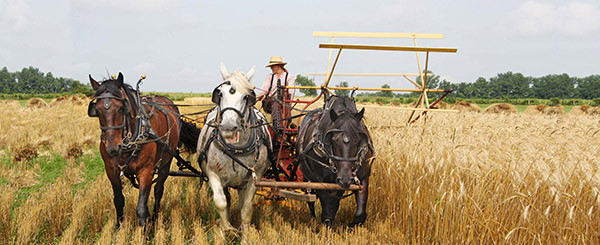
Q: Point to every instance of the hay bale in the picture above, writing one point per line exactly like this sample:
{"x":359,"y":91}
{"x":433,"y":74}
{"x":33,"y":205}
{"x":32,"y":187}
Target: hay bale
{"x":594,"y":111}
{"x":555,"y":110}
{"x":536,"y":109}
{"x":501,"y":108}
{"x":441,"y":105}
{"x":76,"y":100}
{"x":36,"y":103}
{"x":62,"y":100}
{"x":24,"y":153}
{"x":579,"y":110}
{"x":463,"y":106}
{"x":532,"y":110}
{"x":10,"y":102}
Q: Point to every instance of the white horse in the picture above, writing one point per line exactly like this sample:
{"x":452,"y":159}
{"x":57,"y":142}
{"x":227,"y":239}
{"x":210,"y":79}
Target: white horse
{"x":232,"y":149}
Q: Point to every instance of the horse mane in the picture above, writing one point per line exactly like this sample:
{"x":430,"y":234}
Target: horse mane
{"x":239,"y":82}
{"x":111,"y":86}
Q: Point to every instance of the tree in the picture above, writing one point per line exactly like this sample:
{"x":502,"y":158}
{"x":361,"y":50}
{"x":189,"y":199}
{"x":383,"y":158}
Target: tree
{"x":305,"y":81}
{"x":550,"y":86}
{"x":7,"y":81}
{"x":589,"y":87}
{"x":511,"y":85}
{"x":386,"y":93}
{"x":342,"y":92}
{"x":433,"y":81}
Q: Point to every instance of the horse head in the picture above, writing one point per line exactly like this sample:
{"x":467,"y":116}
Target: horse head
{"x":234,"y":98}
{"x":347,"y":142}
{"x":111,"y":106}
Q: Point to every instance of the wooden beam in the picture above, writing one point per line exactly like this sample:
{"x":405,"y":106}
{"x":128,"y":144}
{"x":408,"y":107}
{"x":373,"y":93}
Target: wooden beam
{"x":378,"y":34}
{"x":413,"y":82}
{"x":367,"y":89}
{"x":405,"y":108}
{"x":368,"y":74}
{"x":296,"y":196}
{"x":306,"y":185}
{"x":333,"y":68}
{"x":387,"y":48}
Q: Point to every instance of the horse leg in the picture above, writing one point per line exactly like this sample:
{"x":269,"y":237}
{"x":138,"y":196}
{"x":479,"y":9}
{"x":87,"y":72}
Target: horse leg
{"x":311,"y":207}
{"x":361,"y":203}
{"x":330,"y":203}
{"x":246,"y":196}
{"x":220,"y":199}
{"x":159,"y":189}
{"x":228,"y":198}
{"x":145,"y":180}
{"x":118,"y":197}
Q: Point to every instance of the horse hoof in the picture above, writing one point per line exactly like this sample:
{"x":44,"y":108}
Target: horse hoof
{"x":328,"y":223}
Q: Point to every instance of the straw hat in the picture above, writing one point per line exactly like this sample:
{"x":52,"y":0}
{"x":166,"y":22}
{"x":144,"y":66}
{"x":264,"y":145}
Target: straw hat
{"x":276,"y":60}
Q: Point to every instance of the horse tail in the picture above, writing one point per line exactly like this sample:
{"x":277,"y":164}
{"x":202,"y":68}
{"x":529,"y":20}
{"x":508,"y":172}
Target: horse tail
{"x":188,"y":135}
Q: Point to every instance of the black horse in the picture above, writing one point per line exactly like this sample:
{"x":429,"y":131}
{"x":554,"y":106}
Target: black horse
{"x":334,"y":146}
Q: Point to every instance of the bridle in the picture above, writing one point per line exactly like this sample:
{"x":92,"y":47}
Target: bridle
{"x":125,"y":109}
{"x":357,"y":160}
{"x":216,"y":98}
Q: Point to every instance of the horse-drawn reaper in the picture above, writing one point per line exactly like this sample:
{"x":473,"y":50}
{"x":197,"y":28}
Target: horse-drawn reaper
{"x":141,"y":134}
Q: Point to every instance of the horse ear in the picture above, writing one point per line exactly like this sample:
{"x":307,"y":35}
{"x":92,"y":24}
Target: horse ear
{"x":224,"y":72}
{"x":95,"y":84}
{"x":250,"y":73}
{"x":120,"y":79}
{"x":334,"y":116}
{"x":360,"y":114}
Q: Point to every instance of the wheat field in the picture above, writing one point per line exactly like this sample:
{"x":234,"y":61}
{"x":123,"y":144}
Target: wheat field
{"x":458,"y":178}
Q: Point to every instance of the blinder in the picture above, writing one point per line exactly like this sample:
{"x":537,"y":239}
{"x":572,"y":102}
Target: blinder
{"x":216,"y":95}
{"x":93,"y":112}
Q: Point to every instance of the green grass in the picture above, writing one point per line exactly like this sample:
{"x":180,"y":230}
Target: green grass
{"x":51,"y":167}
{"x":24,"y":102}
{"x":522,"y":108}
{"x":94,"y":166}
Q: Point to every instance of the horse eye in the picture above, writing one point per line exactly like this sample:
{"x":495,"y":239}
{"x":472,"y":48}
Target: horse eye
{"x":232,"y":91}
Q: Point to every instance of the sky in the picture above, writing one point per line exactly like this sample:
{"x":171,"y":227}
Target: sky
{"x":179,"y":44}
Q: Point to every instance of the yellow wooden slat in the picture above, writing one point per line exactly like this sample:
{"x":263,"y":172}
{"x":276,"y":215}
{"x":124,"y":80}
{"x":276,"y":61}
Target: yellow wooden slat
{"x":405,"y":108}
{"x":378,"y":34}
{"x":369,"y":74}
{"x":368,"y":89}
{"x":386,"y":48}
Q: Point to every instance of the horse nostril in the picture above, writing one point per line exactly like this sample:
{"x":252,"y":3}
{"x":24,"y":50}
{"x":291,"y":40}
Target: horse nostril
{"x":338,"y":180}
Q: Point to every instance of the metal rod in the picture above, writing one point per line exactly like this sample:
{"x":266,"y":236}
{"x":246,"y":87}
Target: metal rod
{"x":416,"y":105}
{"x":306,"y":185}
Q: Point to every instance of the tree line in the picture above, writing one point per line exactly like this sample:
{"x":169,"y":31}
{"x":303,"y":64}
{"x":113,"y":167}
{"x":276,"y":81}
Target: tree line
{"x":506,"y":85}
{"x":31,"y":80}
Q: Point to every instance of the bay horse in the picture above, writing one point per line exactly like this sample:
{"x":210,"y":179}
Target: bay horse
{"x":234,"y":145}
{"x":335,"y":146}
{"x":139,"y":139}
